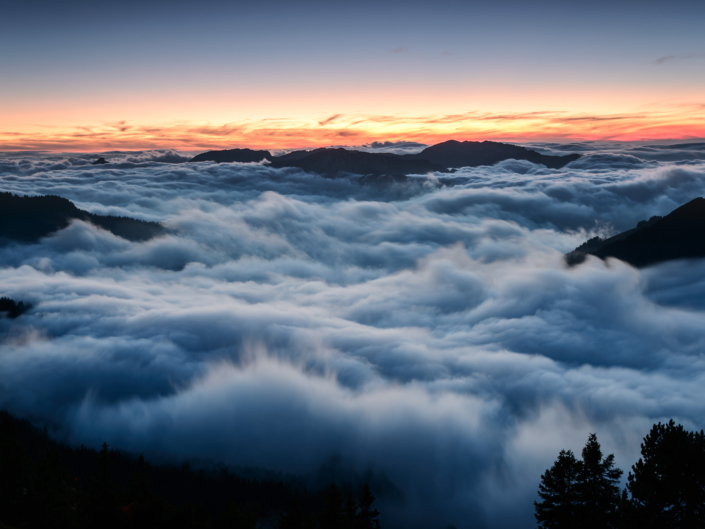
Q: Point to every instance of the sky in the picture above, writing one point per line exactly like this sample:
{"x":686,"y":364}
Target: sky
{"x":424,"y":336}
{"x":89,"y":76}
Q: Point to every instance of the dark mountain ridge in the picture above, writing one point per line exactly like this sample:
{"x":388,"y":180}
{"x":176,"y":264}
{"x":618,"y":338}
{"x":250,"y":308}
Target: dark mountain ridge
{"x":454,"y":154}
{"x":28,"y":219}
{"x":438,"y":158}
{"x":232,"y":155}
{"x":334,"y":162}
{"x":678,"y":235}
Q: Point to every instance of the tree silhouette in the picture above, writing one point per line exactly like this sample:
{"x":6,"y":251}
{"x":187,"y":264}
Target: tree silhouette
{"x":350,"y":512}
{"x":367,"y":518}
{"x":237,"y":516}
{"x":667,"y":484}
{"x":294,"y":518}
{"x":626,"y":517}
{"x":14,"y":473}
{"x":596,"y":488}
{"x":102,"y":506}
{"x":144,"y":509}
{"x":44,"y":483}
{"x":558,"y":492}
{"x":51,"y":496}
{"x":13,"y":309}
{"x":331,"y":516}
{"x":190,"y":517}
{"x":140,"y":490}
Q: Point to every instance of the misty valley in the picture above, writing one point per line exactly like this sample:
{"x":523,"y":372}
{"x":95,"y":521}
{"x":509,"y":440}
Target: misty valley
{"x":396,"y":335}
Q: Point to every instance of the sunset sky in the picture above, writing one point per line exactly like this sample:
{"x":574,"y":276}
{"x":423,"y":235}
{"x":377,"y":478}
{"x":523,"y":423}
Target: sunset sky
{"x":93,"y":76}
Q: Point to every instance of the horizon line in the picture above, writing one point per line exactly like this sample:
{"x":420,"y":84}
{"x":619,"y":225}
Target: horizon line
{"x":392,"y":143}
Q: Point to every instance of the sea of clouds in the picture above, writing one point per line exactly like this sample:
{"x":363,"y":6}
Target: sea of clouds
{"x":424,"y":336}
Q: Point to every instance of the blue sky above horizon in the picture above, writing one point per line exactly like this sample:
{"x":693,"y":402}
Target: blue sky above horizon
{"x":179,"y":64}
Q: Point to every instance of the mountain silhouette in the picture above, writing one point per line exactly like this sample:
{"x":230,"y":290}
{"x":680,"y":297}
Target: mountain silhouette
{"x":28,"y":219}
{"x":232,"y":155}
{"x":678,"y":235}
{"x":334,"y":162}
{"x":455,"y":154}
{"x":451,"y":154}
{"x":100,"y":161}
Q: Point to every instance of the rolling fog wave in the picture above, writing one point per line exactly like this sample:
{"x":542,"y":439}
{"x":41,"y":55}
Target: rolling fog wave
{"x":427,"y":334}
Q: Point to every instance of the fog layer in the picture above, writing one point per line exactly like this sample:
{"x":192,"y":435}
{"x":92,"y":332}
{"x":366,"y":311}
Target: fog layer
{"x":425,"y":336}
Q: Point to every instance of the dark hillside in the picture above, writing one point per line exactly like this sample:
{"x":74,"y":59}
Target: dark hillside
{"x":592,"y":246}
{"x":174,"y":492}
{"x":28,"y":219}
{"x":44,"y":483}
{"x":678,"y":235}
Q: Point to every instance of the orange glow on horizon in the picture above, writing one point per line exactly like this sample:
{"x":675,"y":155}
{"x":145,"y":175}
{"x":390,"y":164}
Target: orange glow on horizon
{"x":305,"y":116}
{"x":677,"y":123}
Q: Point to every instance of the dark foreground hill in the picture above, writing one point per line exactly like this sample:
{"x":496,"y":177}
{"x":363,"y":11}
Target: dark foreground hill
{"x":232,"y":155}
{"x":438,"y":158}
{"x":678,"y":235}
{"x":45,"y":484}
{"x":455,"y":154}
{"x":27,"y":219}
{"x":334,"y":162}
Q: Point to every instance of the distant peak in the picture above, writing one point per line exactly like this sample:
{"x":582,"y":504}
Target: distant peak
{"x":233,"y":155}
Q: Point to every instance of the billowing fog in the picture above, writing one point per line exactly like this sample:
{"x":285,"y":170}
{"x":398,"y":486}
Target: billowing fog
{"x":424,"y":336}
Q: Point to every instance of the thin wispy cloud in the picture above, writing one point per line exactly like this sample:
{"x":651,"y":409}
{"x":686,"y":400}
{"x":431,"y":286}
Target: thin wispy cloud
{"x":677,"y":58}
{"x":330,"y":120}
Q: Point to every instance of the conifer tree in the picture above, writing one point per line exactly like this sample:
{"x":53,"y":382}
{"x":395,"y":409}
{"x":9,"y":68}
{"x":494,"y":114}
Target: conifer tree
{"x":102,"y":507}
{"x":15,"y":473}
{"x":139,"y":482}
{"x":626,"y":517}
{"x":331,"y":516}
{"x":51,"y":497}
{"x":294,"y":517}
{"x":350,"y":512}
{"x":190,"y":517}
{"x":367,"y":518}
{"x":597,"y":490}
{"x":238,"y":516}
{"x":667,"y":484}
{"x":559,"y":499}
{"x":144,"y":508}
